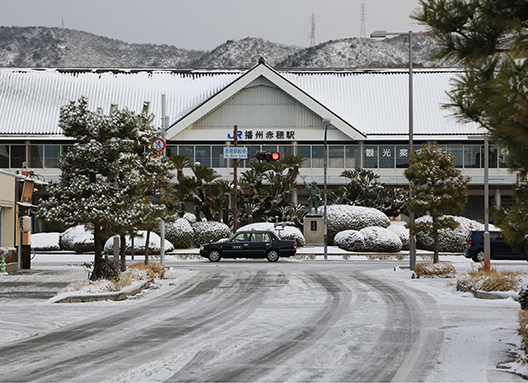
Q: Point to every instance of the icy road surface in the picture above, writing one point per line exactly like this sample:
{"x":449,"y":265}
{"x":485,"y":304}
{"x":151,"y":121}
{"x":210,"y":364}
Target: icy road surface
{"x":254,"y":321}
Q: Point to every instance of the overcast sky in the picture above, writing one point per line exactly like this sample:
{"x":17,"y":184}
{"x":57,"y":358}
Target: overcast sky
{"x":205,"y":24}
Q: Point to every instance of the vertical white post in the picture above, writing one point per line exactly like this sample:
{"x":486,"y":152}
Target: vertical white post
{"x":164,"y":123}
{"x":412,"y":242}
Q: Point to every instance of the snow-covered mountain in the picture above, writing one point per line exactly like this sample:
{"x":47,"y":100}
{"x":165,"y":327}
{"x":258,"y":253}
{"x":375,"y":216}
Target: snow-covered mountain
{"x":59,"y":47}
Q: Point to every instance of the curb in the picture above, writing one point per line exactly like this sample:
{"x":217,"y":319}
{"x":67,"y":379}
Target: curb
{"x":484,"y":294}
{"x":117,"y":296}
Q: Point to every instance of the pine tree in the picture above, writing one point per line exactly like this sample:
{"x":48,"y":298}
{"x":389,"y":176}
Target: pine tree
{"x":490,"y":39}
{"x":437,"y":188}
{"x":103,"y":174}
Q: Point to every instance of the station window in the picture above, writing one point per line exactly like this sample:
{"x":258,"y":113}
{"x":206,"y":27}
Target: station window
{"x":4,"y":156}
{"x":370,"y":156}
{"x":304,"y":150}
{"x":18,"y":155}
{"x":317,"y":156}
{"x":51,"y":156}
{"x":386,"y":156}
{"x":336,"y":156}
{"x":353,"y":156}
{"x":402,"y":156}
{"x":203,"y":155}
{"x":36,"y":156}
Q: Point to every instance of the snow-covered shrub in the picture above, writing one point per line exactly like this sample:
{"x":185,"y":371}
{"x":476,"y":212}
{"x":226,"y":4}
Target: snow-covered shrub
{"x":283,"y":231}
{"x":293,"y":234}
{"x":346,"y":217}
{"x":139,"y":244}
{"x":398,"y":227}
{"x":350,"y":240}
{"x":190,"y":217}
{"x":381,"y":239}
{"x":205,"y":232}
{"x":449,"y":240}
{"x":45,"y":241}
{"x":433,"y":270}
{"x":180,"y":233}
{"x":78,"y":239}
{"x":9,"y":254}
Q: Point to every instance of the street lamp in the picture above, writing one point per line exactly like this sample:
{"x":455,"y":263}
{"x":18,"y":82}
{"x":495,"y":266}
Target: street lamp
{"x":383,"y":34}
{"x":326,"y":121}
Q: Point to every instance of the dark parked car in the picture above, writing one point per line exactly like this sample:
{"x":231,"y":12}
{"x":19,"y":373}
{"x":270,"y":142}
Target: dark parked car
{"x":499,"y":248}
{"x":249,"y":244}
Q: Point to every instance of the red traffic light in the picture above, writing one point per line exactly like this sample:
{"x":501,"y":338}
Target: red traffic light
{"x":267,"y":156}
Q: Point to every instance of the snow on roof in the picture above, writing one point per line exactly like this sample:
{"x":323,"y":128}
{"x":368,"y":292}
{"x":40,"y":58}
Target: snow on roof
{"x":375,"y":102}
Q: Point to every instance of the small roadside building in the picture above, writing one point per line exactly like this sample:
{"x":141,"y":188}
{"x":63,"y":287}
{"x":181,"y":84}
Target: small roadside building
{"x":7,"y":209}
{"x":366,"y":114}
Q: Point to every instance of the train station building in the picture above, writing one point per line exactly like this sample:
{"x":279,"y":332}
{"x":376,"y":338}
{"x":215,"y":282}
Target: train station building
{"x":365,"y":114}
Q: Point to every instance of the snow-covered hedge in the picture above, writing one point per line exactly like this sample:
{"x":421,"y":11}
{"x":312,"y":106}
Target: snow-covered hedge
{"x":346,"y":217}
{"x":45,"y":241}
{"x":398,"y":227}
{"x":381,"y":239}
{"x":449,"y":240}
{"x":372,"y":238}
{"x":205,"y":232}
{"x":180,"y":233}
{"x":350,"y":240}
{"x":139,"y":244}
{"x":190,"y":217}
{"x":283,"y":231}
{"x":77,"y":239}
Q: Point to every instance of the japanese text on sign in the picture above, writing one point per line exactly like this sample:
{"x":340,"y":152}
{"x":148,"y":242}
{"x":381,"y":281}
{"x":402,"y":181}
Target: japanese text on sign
{"x":236,"y":152}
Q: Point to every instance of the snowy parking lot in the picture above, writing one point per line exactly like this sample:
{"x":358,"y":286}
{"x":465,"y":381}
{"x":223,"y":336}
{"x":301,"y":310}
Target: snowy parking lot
{"x":250,"y":320}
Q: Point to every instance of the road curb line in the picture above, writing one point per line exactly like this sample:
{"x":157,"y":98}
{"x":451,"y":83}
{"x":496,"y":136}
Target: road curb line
{"x":116,"y":296}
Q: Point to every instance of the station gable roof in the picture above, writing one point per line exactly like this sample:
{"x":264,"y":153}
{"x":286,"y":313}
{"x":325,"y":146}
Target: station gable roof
{"x":358,"y":102}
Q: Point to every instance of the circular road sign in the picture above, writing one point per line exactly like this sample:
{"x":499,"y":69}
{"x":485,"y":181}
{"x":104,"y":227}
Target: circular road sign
{"x":158,"y":144}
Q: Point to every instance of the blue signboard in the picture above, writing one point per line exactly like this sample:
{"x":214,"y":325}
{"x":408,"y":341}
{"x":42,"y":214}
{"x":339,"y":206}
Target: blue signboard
{"x":236,"y":152}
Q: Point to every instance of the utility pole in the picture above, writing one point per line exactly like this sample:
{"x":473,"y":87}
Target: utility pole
{"x":312,"y":31}
{"x":362,"y":12}
{"x":235,"y":184}
{"x":164,"y":127}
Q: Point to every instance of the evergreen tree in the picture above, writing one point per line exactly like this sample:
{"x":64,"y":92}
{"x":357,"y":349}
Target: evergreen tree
{"x":490,"y":39}
{"x":364,"y":189}
{"x":103,"y":173}
{"x":437,"y":188}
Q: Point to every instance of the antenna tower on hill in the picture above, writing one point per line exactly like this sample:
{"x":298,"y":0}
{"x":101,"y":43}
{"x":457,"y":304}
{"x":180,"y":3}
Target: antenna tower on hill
{"x":362,"y":10}
{"x":312,"y":31}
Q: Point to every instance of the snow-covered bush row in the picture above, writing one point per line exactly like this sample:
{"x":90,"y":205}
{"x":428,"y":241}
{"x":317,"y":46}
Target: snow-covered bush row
{"x":179,"y":232}
{"x":283,"y":231}
{"x":205,"y":232}
{"x":346,"y":217}
{"x":190,"y":217}
{"x":398,"y":227}
{"x":78,"y":239}
{"x":372,"y":238}
{"x":139,"y":244}
{"x":381,"y":239}
{"x":449,"y":240}
{"x":45,"y":241}
{"x":350,"y":240}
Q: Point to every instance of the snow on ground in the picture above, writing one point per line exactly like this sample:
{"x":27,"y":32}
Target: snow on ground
{"x":461,"y":344}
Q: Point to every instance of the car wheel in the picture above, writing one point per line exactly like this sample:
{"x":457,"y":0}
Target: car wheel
{"x":479,"y":256}
{"x":272,"y":256}
{"x":214,"y":256}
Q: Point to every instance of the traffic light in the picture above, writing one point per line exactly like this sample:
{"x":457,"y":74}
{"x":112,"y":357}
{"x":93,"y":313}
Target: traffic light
{"x":267,"y":156}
